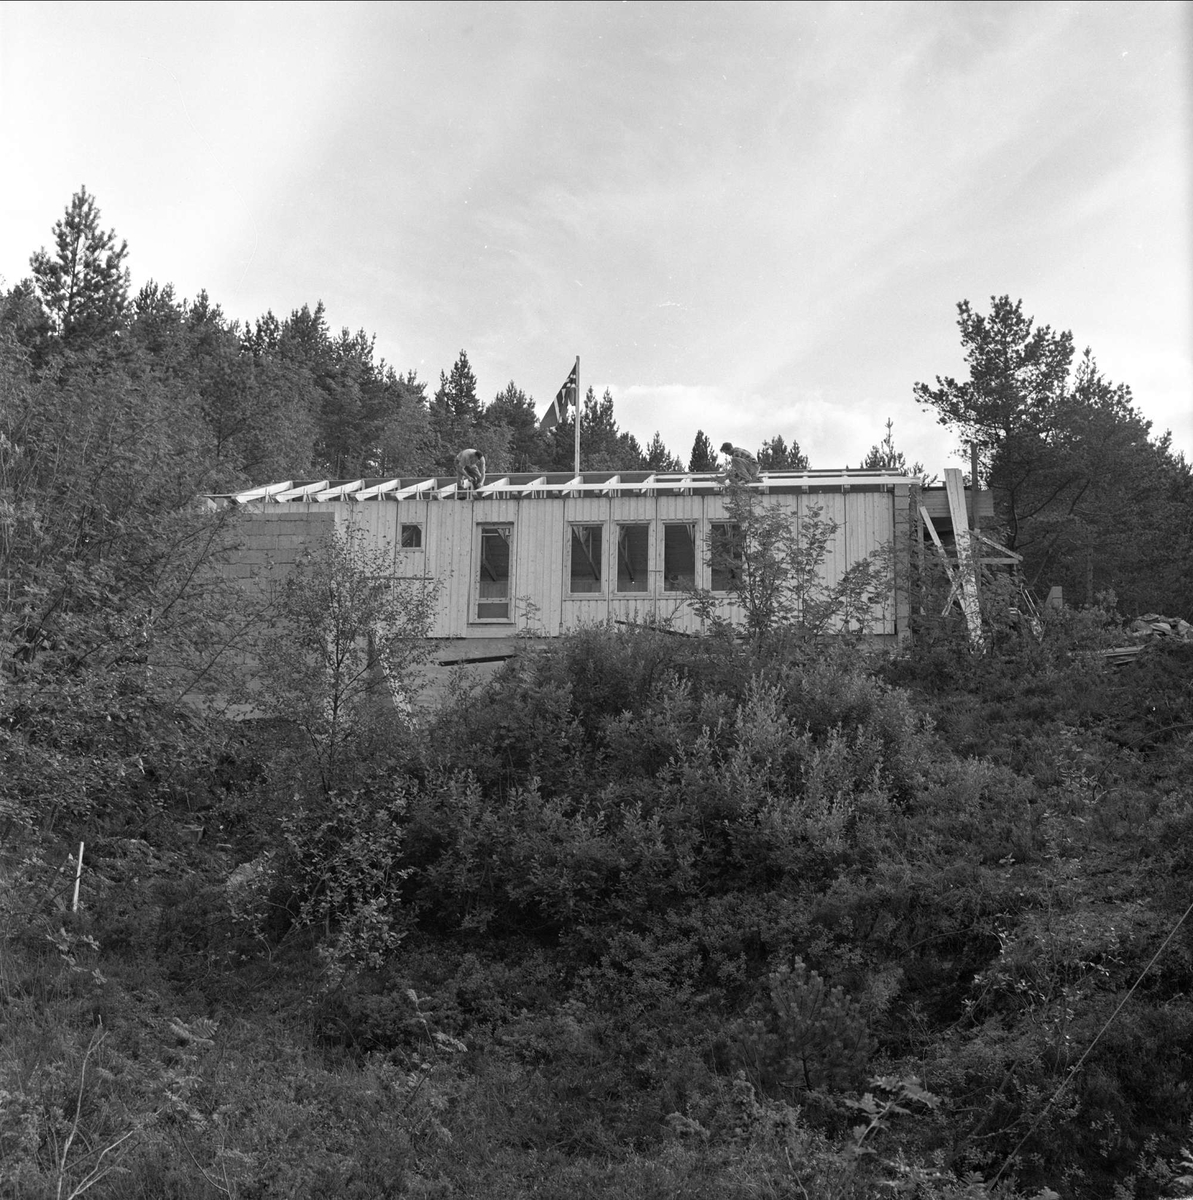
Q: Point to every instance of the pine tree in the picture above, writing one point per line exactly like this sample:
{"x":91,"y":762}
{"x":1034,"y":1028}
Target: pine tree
{"x":84,"y":284}
{"x":659,"y":458}
{"x":776,"y":455}
{"x":703,"y":457}
{"x":1080,"y":485}
{"x":456,"y":396}
{"x":603,"y":446}
{"x":304,"y":338}
{"x":1018,"y":375}
{"x":884,"y":456}
{"x":455,"y":413}
{"x":514,"y":409}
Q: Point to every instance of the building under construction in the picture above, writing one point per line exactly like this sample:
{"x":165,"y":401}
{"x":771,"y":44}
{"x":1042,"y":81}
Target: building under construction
{"x":542,"y":554}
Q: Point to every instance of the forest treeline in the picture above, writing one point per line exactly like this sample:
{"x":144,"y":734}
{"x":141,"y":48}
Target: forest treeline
{"x":271,"y":398}
{"x":1084,"y":491}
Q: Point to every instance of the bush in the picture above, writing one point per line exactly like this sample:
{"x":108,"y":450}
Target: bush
{"x":802,"y":1036}
{"x":337,"y":874}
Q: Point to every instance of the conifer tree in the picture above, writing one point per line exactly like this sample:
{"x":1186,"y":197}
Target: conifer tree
{"x":1082,"y":489}
{"x":84,"y":283}
{"x":659,"y":458}
{"x":514,"y":409}
{"x":703,"y":457}
{"x":884,"y":456}
{"x":776,"y":455}
{"x":456,"y":396}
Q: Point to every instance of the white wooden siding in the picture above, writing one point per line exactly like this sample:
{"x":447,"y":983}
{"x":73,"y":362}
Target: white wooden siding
{"x":541,"y":544}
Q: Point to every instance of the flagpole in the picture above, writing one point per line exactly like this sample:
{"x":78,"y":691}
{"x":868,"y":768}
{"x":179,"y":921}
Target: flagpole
{"x":577,"y":414}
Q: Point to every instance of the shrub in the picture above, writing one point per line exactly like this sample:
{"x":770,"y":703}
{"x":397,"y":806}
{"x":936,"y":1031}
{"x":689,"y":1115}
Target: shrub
{"x":338,"y":874}
{"x":802,"y":1035}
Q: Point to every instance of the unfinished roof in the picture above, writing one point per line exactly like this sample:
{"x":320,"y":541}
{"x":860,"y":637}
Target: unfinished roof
{"x":562,"y":483}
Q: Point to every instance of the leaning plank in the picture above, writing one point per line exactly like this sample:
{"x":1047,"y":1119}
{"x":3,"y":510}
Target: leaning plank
{"x":1008,"y":557}
{"x":965,"y":550}
{"x":926,"y":517}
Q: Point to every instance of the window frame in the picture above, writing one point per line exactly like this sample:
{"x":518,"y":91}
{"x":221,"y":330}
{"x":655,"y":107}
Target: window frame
{"x":644,"y":590}
{"x":734,"y":538}
{"x":574,"y":528}
{"x":691,"y":527}
{"x":475,"y":598}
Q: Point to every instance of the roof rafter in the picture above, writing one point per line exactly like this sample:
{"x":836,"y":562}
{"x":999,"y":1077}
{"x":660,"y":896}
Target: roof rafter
{"x":561,"y":483}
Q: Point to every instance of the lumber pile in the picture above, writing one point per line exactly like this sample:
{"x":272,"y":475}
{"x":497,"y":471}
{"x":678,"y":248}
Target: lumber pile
{"x":1142,"y":631}
{"x":1117,"y":655}
{"x":1152,"y":625}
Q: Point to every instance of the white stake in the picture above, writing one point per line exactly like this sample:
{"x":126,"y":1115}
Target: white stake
{"x":78,"y":875}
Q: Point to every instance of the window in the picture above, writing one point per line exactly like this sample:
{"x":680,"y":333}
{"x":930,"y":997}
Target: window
{"x":725,"y":552}
{"x":493,"y":575}
{"x":584,"y":573}
{"x":679,"y":557}
{"x":633,"y":559}
{"x":412,"y":537}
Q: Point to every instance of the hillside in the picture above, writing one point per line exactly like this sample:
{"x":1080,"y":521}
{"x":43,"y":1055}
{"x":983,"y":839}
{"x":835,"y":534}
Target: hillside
{"x":643,"y":916}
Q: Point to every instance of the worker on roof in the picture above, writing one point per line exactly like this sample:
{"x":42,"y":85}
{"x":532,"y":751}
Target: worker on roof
{"x":470,"y":471}
{"x":743,"y":466}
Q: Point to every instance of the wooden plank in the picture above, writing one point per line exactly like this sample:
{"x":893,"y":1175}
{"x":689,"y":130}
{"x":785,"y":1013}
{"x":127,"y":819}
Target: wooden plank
{"x":965,"y":564}
{"x":901,"y":533}
{"x":837,"y":551}
{"x":538,"y":533}
{"x":880,"y":532}
{"x":452,"y":567}
{"x":936,"y":501}
{"x":926,"y":517}
{"x":1011,"y":556}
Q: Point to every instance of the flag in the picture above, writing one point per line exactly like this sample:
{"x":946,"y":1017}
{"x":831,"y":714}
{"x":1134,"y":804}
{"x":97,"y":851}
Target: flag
{"x":565,"y":396}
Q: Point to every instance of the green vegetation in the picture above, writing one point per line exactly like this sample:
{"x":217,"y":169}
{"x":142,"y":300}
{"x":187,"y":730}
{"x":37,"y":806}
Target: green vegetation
{"x":642,"y":916}
{"x":772,"y":567}
{"x":1082,"y":490}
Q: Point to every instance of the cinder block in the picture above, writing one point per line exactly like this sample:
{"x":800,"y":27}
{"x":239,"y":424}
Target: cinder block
{"x":316,"y":518}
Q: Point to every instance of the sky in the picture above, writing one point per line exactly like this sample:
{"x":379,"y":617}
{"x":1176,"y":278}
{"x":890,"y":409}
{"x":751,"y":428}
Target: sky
{"x":751,"y":219}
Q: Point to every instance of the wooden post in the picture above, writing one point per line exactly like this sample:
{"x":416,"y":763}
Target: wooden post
{"x":966,"y":549}
{"x":903,"y":526}
{"x":74,"y":907}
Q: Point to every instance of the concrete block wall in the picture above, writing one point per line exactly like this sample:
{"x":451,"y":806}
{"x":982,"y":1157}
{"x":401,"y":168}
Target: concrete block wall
{"x":267,"y":544}
{"x":270,"y":542}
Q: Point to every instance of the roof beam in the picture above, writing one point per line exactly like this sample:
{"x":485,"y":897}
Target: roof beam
{"x":302,"y":492}
{"x":342,"y":491}
{"x":268,"y":492}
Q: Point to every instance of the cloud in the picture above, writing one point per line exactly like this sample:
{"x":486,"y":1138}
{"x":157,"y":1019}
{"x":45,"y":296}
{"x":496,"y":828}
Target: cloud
{"x":777,"y":206}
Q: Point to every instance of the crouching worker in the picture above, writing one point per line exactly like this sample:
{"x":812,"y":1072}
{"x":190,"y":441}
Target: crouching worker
{"x":743,"y":466}
{"x":470,"y":470}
